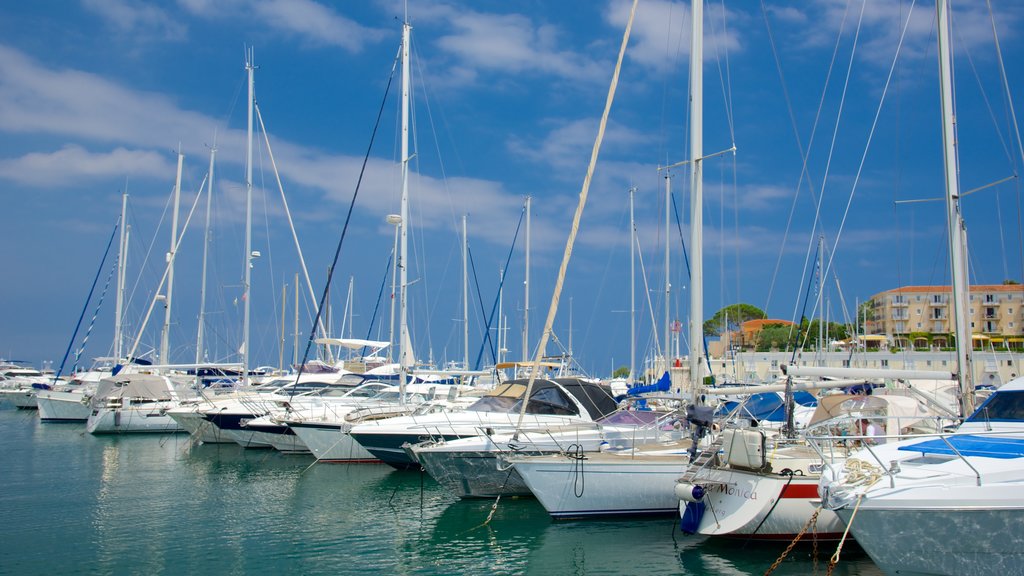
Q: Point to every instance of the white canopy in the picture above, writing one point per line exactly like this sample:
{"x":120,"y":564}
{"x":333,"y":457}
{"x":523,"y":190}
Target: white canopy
{"x":353,"y":343}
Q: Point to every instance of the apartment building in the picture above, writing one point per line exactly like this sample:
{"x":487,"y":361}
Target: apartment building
{"x":920,"y":316}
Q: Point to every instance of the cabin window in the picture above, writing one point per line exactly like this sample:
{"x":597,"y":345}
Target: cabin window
{"x":551,"y":401}
{"x":1001,"y":406}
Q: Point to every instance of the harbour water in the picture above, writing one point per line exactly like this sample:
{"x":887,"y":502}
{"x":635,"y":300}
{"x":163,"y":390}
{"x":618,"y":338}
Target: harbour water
{"x":73,"y":503}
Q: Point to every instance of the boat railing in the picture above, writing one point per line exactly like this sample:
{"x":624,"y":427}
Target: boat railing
{"x":836,"y":449}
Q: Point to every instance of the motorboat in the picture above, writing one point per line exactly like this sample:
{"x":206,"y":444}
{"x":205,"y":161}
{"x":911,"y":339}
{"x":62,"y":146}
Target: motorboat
{"x":135,"y":403}
{"x":552,"y":402}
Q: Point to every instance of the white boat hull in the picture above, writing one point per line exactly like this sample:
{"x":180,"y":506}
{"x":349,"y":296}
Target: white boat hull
{"x":763,"y":506}
{"x":21,"y":398}
{"x":330,"y":444}
{"x":198,"y":427}
{"x":604,"y":484}
{"x":945,"y":541}
{"x":62,"y":406}
{"x":142,"y":419}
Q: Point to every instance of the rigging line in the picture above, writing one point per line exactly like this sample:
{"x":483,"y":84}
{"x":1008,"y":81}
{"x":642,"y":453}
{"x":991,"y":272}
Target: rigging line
{"x":871,"y":134}
{"x":1013,"y":123}
{"x":794,"y":329}
{"x":817,"y":223}
{"x":804,"y":155}
{"x":679,"y":228}
{"x":1006,"y":150}
{"x":287,"y":211}
{"x":574,"y":229}
{"x":85,"y":307}
{"x":348,"y":218}
{"x":92,"y":321}
{"x":647,"y":287}
{"x":174,"y":250}
{"x":725,"y":80}
{"x":494,"y":306}
{"x":269,"y":249}
{"x":149,"y":250}
{"x":433,"y":131}
{"x":480,"y":299}
{"x":380,"y":294}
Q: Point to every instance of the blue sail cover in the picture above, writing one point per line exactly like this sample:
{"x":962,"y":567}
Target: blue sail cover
{"x":662,"y":385}
{"x":967,"y":445}
{"x":766,"y":406}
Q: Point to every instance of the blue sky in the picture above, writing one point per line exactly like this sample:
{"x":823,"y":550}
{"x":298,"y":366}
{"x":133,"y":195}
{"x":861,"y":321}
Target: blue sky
{"x":98,"y":95}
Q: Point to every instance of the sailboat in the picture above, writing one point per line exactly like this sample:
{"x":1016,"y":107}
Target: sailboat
{"x":951,"y":503}
{"x":768,"y":487}
{"x":639,"y":479}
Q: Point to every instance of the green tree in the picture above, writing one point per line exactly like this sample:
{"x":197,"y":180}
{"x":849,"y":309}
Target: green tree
{"x":621,"y":372}
{"x":775,"y":337}
{"x":735,"y":314}
{"x":1010,"y":283}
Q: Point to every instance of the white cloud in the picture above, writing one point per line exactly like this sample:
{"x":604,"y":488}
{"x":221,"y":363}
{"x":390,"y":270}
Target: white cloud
{"x":38,"y":100}
{"x":141,"y":19}
{"x":661,"y":32}
{"x":511,"y":44}
{"x":313,"y":22}
{"x":568,"y":145}
{"x":71,"y":163}
{"x":883,"y":23}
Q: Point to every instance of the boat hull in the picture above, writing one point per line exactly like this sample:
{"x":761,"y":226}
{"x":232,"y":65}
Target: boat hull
{"x":763,"y":506}
{"x":131,"y":420}
{"x":474,"y":474}
{"x":946,"y":530}
{"x":20,"y":398}
{"x":62,"y":406}
{"x":604,"y":485}
{"x":330,"y":444}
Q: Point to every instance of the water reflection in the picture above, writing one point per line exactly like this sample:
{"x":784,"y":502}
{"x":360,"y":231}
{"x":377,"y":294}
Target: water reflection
{"x":75,"y":503}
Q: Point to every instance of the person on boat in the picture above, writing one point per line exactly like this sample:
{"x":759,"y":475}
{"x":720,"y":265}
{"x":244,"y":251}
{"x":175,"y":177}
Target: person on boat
{"x":873,"y":433}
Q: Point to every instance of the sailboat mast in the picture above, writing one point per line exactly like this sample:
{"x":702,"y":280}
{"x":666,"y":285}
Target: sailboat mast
{"x":526,"y":286}
{"x":206,"y":251}
{"x":295,"y":332}
{"x":165,"y":333}
{"x":465,"y":295}
{"x":954,"y":217}
{"x":696,"y":199}
{"x":403,"y":264}
{"x":122,"y":252}
{"x":247,"y":282}
{"x":667,"y":345}
{"x":632,"y":287}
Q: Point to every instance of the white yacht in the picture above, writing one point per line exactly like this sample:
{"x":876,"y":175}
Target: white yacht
{"x":134,"y":403}
{"x":479,"y":466}
{"x":552,"y":403}
{"x":941,"y":504}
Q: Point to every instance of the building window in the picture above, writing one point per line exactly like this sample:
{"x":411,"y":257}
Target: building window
{"x":928,"y":362}
{"x":885,"y":363}
{"x":919,"y":324}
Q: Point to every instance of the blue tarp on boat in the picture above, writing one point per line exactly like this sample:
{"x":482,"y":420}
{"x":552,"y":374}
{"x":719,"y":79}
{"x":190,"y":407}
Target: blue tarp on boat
{"x":662,"y":385}
{"x":967,"y":445}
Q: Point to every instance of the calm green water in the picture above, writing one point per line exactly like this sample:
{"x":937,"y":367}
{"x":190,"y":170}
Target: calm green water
{"x":72,"y":503}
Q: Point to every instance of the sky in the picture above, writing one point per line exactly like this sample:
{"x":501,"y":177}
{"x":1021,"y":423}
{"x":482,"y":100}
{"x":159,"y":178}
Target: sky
{"x":832,"y":106}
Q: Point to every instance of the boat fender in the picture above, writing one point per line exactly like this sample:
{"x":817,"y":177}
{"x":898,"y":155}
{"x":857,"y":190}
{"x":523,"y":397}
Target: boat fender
{"x":690,"y":492}
{"x":690,"y":518}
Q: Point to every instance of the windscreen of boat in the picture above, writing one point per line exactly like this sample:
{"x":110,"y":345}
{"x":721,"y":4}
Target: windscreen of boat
{"x":545,"y":398}
{"x":1002,"y":407}
{"x":632,"y":417}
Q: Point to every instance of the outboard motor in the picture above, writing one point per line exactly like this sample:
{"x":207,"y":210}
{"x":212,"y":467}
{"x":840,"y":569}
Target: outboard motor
{"x":700,"y":418}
